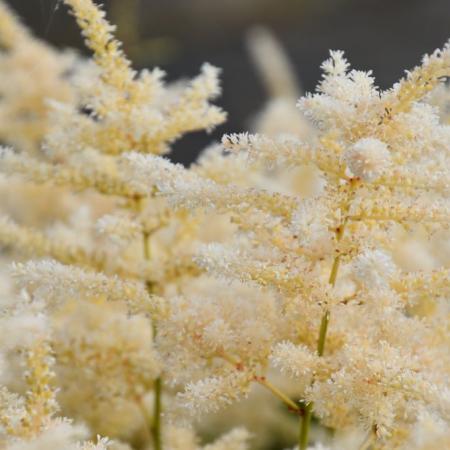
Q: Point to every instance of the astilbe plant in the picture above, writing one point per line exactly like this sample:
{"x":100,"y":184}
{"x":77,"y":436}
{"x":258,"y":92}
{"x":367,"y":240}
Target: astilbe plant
{"x":349,"y":336}
{"x":105,"y":364}
{"x":164,"y":293}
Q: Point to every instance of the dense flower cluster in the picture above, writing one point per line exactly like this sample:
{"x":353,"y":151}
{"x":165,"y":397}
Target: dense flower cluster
{"x":305,"y":264}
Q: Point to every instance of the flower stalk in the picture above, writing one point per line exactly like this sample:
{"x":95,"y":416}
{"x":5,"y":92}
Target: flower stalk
{"x":305,"y":423}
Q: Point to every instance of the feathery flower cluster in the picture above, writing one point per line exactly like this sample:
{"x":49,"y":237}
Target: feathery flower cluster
{"x":24,"y":119}
{"x":163,"y":294}
{"x":329,"y":258}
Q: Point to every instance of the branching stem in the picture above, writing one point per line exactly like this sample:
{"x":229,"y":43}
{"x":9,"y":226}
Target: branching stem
{"x":264,"y":382}
{"x":282,"y":396}
{"x":306,"y":419}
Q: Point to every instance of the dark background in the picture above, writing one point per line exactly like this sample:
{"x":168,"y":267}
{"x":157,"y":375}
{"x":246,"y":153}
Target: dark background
{"x":387,"y":36}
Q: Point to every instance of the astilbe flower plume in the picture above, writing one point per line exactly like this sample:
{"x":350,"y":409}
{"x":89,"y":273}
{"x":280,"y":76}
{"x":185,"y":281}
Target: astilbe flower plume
{"x":351,"y":341}
{"x":164,"y":292}
{"x":97,"y":266}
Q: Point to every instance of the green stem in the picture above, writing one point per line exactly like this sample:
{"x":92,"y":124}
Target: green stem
{"x":281,"y":395}
{"x":157,"y":411}
{"x":304,"y":427}
{"x":306,"y":420}
{"x":334,"y":271}
{"x":323,"y":333}
{"x":263,"y":381}
{"x":157,"y":407}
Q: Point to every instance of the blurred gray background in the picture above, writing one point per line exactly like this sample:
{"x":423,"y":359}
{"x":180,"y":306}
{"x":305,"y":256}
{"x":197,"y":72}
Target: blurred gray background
{"x":387,"y":36}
